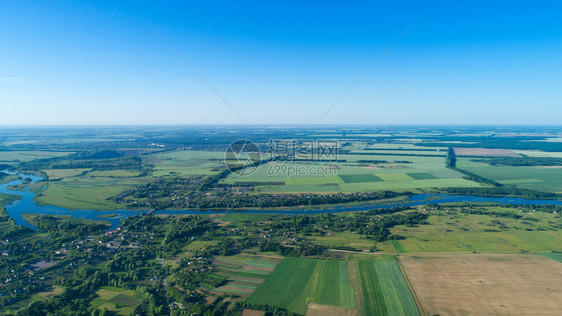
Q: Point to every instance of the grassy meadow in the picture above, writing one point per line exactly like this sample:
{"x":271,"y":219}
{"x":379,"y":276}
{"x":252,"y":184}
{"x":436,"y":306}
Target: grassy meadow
{"x":452,"y":231}
{"x":539,"y":178}
{"x":15,"y":157}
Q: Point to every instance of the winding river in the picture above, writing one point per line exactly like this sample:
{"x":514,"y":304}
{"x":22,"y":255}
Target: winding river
{"x":27,"y":205}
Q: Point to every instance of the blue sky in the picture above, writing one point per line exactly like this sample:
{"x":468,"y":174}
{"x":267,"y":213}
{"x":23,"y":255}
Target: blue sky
{"x":280,"y":62}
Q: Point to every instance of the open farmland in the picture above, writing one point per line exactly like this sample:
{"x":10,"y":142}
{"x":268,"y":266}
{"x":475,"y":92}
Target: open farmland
{"x":485,"y":284}
{"x":371,"y":170}
{"x":365,"y":287}
{"x":484,"y":152}
{"x":384,"y":289}
{"x":527,"y":177}
{"x":243,"y":274}
{"x":186,"y":162}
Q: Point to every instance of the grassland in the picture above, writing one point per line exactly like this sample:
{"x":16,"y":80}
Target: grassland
{"x":527,"y":177}
{"x":485,"y":284}
{"x":86,"y":189}
{"x":58,"y":174}
{"x":297,"y":284}
{"x":82,"y":195}
{"x":14,"y":157}
{"x":453,"y":231}
{"x":186,"y":162}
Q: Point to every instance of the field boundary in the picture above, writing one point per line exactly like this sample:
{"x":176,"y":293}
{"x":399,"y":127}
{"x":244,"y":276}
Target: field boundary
{"x":411,"y":287}
{"x":355,"y":281}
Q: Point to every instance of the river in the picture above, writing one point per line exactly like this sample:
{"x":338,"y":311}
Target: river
{"x":27,"y":205}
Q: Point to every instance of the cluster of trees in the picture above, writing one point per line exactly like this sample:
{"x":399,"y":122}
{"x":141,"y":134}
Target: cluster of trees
{"x":451,"y":163}
{"x":181,"y":229}
{"x":451,"y":158}
{"x":402,"y":149}
{"x":476,"y":178}
{"x":523,"y":161}
{"x":161,"y":191}
{"x":11,"y":230}
{"x":371,"y":161}
{"x":503,"y":191}
{"x":394,"y":154}
{"x":515,"y":142}
{"x":64,"y":229}
{"x":370,"y":223}
{"x":103,"y":160}
{"x":499,"y":214}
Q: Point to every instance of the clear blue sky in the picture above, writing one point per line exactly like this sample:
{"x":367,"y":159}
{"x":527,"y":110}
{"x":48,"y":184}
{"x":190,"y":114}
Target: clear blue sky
{"x":98,"y":62}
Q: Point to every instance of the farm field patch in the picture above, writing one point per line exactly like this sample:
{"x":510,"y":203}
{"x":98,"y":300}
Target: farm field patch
{"x":357,"y":178}
{"x":333,"y":179}
{"x":485,"y":152}
{"x":485,"y":284}
{"x":186,"y":162}
{"x":302,"y":285}
{"x":385,"y":291}
{"x":421,"y":176}
{"x":243,"y":274}
{"x":553,"y":255}
{"x":116,"y":300}
{"x":395,"y":177}
{"x":527,"y":177}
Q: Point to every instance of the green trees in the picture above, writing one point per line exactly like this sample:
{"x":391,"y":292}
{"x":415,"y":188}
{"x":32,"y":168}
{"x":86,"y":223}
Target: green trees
{"x":451,"y":158}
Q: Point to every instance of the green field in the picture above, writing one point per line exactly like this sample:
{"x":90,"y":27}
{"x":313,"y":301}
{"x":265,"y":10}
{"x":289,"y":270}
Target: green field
{"x":399,"y":173}
{"x":57,"y":174}
{"x":84,"y":192}
{"x":357,"y":178}
{"x":297,"y":282}
{"x":117,"y":300}
{"x":11,"y":157}
{"x":187,"y":162}
{"x":458,"y":232}
{"x":385,"y":291}
{"x":421,"y":176}
{"x":86,"y":189}
{"x":333,"y":179}
{"x":553,"y":255}
{"x":532,"y":177}
{"x":113,"y":174}
{"x":406,"y":185}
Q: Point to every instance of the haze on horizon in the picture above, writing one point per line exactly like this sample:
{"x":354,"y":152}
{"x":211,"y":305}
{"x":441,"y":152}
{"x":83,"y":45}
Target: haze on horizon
{"x":100,"y":62}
